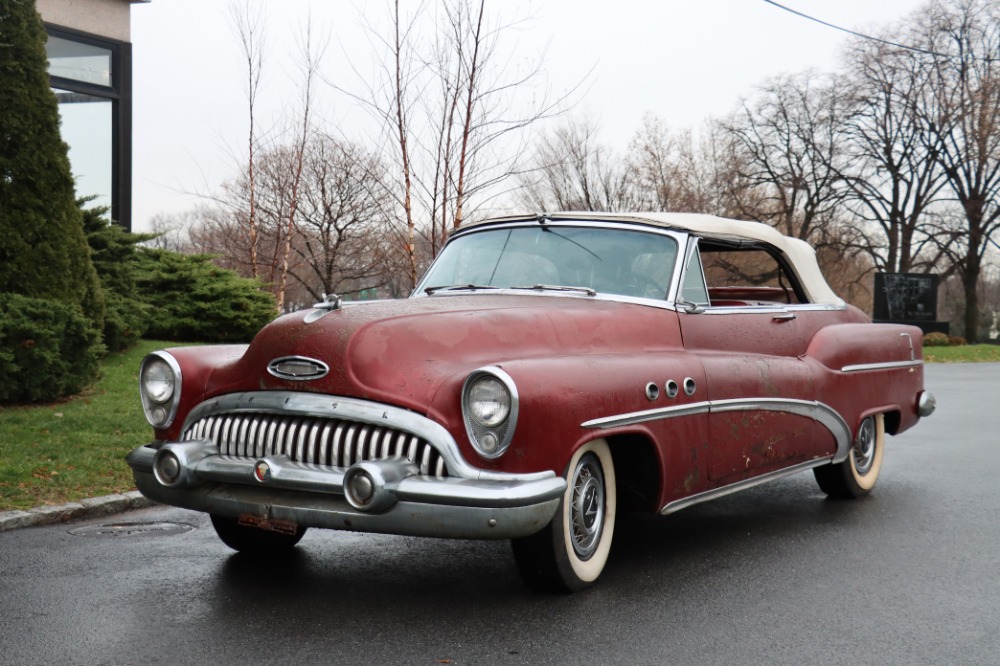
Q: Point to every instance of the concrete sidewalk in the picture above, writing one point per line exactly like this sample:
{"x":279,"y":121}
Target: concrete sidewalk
{"x":62,"y":513}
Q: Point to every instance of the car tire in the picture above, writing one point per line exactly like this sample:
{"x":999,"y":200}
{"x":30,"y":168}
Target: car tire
{"x":856,"y":476}
{"x":253,"y":540}
{"x":569,"y":553}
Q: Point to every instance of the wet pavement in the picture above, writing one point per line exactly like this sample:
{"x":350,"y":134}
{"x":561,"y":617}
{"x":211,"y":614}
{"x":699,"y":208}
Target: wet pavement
{"x":774,"y":575}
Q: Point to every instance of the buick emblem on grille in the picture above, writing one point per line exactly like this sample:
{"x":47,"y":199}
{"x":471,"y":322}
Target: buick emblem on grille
{"x":297,"y":368}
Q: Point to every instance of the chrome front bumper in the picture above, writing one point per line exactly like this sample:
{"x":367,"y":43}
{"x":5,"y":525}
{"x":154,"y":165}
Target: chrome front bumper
{"x":193,"y":475}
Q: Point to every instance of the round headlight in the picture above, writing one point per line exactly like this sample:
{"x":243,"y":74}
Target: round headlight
{"x":158,"y":381}
{"x":160,"y":388}
{"x":489,"y":402}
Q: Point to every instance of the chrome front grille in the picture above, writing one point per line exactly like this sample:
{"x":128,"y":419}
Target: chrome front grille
{"x":320,"y":441}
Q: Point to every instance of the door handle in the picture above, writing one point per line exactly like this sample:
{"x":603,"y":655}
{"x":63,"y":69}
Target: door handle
{"x":784,"y":316}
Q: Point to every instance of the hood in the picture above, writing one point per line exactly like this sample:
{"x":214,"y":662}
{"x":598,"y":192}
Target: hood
{"x":400,"y":352}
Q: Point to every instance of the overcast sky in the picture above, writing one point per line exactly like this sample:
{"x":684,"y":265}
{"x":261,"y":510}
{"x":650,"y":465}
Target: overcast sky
{"x":683,"y":60}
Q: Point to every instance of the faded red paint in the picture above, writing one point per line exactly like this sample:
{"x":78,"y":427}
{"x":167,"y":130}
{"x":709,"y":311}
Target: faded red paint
{"x":575,"y":359}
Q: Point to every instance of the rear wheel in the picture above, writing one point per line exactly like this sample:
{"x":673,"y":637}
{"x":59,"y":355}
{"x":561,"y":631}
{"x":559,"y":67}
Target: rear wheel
{"x":856,"y":476}
{"x":254,"y":540}
{"x":570,"y":552}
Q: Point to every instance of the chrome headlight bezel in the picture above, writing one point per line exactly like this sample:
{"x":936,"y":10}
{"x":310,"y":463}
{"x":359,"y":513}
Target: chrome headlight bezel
{"x":490,"y":436}
{"x":160,"y":410}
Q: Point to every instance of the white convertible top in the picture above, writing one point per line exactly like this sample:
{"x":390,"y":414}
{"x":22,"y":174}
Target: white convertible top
{"x":800,"y":255}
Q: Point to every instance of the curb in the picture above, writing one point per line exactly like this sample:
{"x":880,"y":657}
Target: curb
{"x":62,"y":513}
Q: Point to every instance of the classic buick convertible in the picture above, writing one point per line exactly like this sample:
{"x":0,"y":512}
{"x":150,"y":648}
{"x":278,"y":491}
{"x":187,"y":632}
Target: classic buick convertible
{"x":547,"y":373}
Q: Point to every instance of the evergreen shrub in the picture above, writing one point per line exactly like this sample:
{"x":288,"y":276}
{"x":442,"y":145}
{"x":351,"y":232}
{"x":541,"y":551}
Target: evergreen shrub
{"x":115,"y":254}
{"x":193,"y":300}
{"x":48,"y":349}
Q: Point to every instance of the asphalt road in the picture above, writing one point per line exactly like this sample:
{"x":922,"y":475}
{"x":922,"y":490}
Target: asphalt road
{"x":775,"y":575}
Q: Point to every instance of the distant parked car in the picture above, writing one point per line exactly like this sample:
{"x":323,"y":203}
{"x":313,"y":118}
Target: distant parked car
{"x":547,"y":373}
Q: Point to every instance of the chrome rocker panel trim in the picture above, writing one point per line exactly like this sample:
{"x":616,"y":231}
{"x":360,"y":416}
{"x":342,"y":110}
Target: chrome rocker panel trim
{"x":691,"y":500}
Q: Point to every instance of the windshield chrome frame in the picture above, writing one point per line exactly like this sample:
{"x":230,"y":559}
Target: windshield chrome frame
{"x":668,"y":302}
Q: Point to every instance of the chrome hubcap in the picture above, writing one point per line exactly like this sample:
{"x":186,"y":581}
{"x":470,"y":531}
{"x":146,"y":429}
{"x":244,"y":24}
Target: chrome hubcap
{"x":587,"y":506}
{"x":863,"y":450}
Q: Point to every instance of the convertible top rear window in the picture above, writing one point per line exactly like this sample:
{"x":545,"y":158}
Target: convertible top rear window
{"x":614,"y":261}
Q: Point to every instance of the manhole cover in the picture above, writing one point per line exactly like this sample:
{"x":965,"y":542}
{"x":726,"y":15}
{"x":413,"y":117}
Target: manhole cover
{"x":131,"y":529}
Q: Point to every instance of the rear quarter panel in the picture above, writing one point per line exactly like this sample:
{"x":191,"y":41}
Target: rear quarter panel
{"x":869,"y":368}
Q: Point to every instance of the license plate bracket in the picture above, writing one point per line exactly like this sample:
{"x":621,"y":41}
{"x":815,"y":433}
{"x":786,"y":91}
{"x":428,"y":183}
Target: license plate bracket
{"x":268,"y":524}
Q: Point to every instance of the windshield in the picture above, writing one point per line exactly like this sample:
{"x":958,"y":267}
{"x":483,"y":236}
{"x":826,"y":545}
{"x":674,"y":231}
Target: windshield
{"x":611,"y":261}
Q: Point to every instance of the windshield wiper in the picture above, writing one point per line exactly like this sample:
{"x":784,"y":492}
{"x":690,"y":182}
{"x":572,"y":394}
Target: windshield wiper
{"x":553,"y":287}
{"x":457,"y":287}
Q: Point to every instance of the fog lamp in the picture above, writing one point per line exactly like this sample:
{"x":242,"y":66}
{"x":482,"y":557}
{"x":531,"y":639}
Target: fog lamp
{"x":168,"y":468}
{"x":361,"y":487}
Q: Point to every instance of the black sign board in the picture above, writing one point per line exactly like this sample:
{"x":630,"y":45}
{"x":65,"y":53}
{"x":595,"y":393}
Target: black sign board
{"x":909,"y":297}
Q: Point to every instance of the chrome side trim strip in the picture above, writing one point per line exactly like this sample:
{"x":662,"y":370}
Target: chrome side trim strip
{"x":817,"y":411}
{"x":685,"y":502}
{"x":648,"y":415}
{"x":889,"y":365}
{"x":352,"y":409}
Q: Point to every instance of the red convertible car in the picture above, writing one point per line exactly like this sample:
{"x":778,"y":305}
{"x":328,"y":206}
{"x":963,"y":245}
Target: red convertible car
{"x":547,"y":373}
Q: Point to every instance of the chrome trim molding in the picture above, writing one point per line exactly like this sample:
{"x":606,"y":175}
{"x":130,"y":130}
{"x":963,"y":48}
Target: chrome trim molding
{"x":909,"y":340}
{"x":312,"y":496}
{"x":298,"y":368}
{"x":648,"y":415}
{"x":683,"y":503}
{"x":322,"y":441}
{"x":926,"y":403}
{"x":319,"y":405}
{"x":888,"y":365}
{"x":817,"y":411}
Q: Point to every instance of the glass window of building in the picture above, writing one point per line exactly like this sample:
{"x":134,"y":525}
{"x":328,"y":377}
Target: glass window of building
{"x":91,"y":77}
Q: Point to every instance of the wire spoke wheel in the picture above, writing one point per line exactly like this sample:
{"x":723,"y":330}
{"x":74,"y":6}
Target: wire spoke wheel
{"x":856,"y":476}
{"x":864,"y":447}
{"x":587,"y":507}
{"x":570,"y":552}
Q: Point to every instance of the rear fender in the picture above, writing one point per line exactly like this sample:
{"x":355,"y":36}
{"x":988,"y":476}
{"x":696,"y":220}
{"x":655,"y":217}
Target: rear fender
{"x":842,"y":347}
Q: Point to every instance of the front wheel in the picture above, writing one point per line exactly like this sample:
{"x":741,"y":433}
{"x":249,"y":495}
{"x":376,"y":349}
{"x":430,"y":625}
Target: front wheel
{"x":570,"y":552}
{"x":856,"y":476}
{"x":254,"y":540}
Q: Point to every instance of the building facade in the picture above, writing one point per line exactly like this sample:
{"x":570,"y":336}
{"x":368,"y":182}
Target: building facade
{"x":90,"y":67}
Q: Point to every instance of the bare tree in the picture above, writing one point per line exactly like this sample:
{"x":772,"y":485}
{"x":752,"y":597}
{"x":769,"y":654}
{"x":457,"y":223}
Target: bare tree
{"x":310,"y":58}
{"x":171,"y":229}
{"x":249,"y":29}
{"x":654,"y":153}
{"x":893,"y":170}
{"x":965,"y":36}
{"x":340,"y":225}
{"x":786,"y":142}
{"x":682,"y":171}
{"x":572,"y":170}
{"x":452,"y":111}
{"x":337,"y":243}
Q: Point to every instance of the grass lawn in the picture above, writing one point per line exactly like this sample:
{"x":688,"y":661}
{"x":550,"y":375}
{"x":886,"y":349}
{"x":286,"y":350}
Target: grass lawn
{"x":73,"y":449}
{"x":70,"y":450}
{"x":962,"y":354}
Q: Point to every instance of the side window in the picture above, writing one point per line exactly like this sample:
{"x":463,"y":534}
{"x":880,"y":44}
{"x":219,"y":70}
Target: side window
{"x":741,"y":276}
{"x":693,"y":288}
